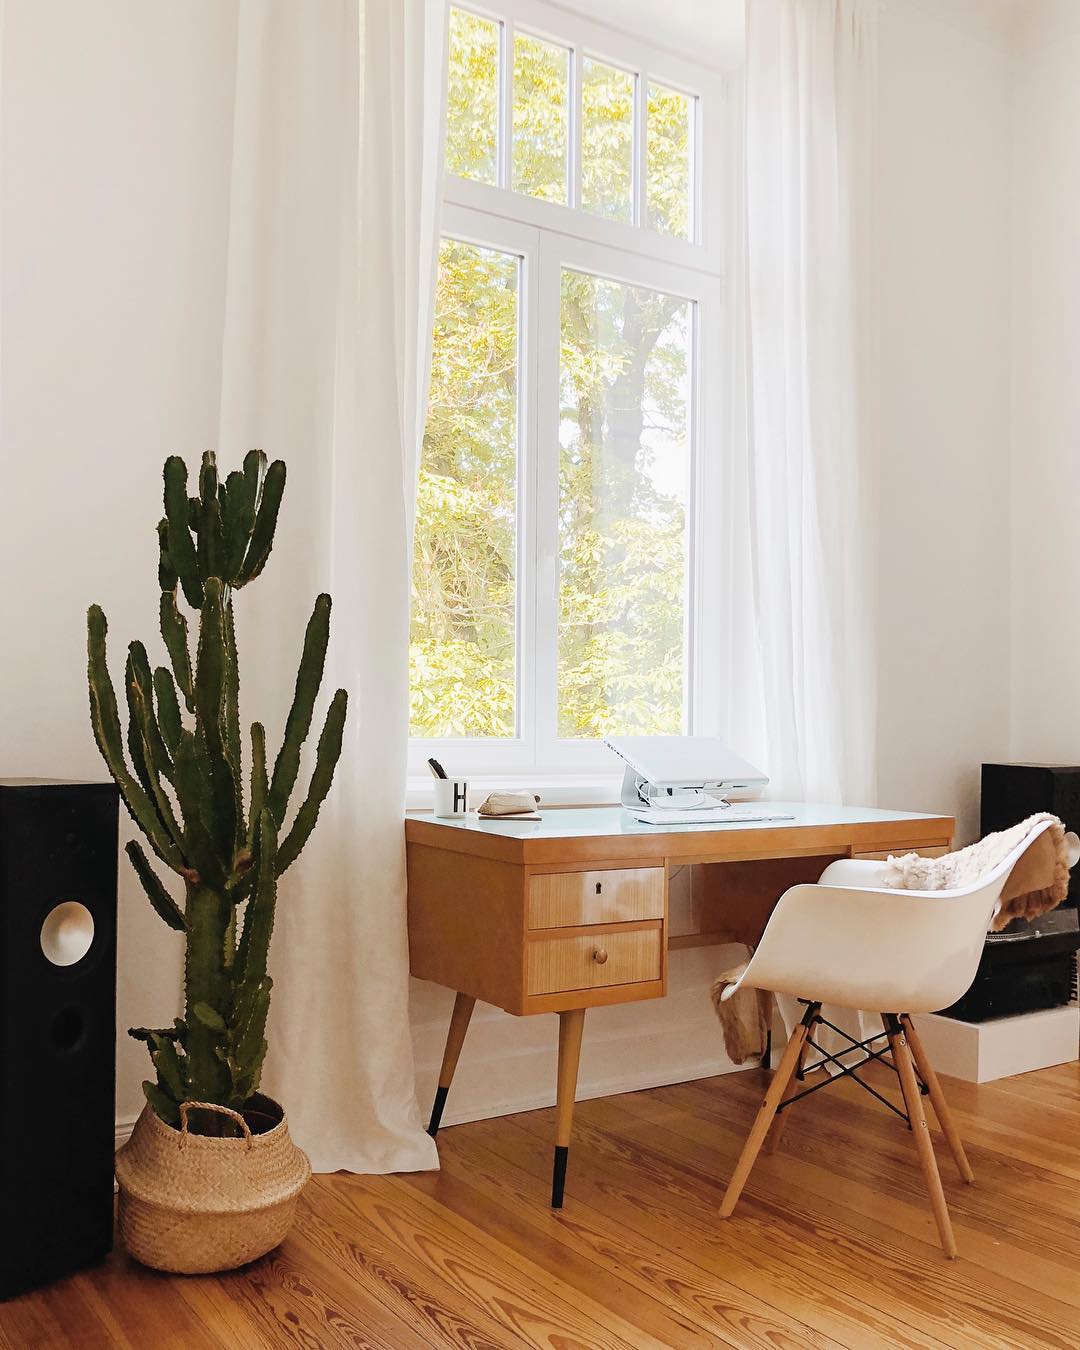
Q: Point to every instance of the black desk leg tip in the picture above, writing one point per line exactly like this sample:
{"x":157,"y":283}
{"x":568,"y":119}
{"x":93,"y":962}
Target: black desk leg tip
{"x":437,"y":1110}
{"x":558,"y":1176}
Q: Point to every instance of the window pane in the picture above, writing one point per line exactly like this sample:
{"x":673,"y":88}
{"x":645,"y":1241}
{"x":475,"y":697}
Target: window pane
{"x":623,"y":492}
{"x":541,"y":118}
{"x":472,"y":97}
{"x":607,"y":140}
{"x":669,"y":119}
{"x":462,"y":642}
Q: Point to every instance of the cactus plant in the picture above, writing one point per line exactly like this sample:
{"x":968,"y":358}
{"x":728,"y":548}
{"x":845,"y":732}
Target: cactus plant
{"x":181,"y":778}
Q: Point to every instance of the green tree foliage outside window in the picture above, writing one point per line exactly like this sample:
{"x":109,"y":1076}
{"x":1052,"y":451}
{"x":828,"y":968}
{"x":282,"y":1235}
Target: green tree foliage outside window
{"x":623,"y":479}
{"x":541,"y":118}
{"x":462,"y":640}
{"x":472,"y":97}
{"x":607,"y":140}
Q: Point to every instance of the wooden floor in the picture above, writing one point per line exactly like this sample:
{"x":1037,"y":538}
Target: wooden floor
{"x":832,"y":1245}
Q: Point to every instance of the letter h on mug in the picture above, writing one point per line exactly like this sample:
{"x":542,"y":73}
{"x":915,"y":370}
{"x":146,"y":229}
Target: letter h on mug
{"x":451,"y":797}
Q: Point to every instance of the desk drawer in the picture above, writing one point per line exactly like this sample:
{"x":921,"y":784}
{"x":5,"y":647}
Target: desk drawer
{"x":617,"y":895}
{"x":584,"y":961}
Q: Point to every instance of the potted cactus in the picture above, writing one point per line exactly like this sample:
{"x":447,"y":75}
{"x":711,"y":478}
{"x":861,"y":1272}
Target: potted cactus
{"x":210,"y":1177}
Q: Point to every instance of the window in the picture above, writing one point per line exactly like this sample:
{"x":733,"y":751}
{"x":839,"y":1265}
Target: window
{"x":566,"y":482}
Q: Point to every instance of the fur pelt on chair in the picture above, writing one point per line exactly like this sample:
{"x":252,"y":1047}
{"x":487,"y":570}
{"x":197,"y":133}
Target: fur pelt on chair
{"x":1037,"y":883}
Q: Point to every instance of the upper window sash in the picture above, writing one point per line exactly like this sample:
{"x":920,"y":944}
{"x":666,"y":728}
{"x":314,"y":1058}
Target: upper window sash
{"x":651,"y":67}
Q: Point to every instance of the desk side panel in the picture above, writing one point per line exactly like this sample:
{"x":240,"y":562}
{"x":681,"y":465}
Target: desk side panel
{"x":467,"y":924}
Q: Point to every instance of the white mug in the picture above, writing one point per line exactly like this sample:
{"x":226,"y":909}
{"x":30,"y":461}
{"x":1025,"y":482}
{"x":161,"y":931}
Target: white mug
{"x":451,"y":798}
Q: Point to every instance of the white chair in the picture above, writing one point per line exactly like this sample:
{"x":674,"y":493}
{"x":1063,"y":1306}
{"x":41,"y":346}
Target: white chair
{"x":851,"y":942}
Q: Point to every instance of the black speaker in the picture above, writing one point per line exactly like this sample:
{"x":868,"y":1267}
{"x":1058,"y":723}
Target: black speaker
{"x":1012,"y":792}
{"x":57,"y":1027}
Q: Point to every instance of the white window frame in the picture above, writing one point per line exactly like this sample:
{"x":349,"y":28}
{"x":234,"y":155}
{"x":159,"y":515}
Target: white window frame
{"x":547,"y":237}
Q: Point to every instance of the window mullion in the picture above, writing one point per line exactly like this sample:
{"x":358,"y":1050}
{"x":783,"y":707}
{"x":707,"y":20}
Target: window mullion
{"x":505,"y":130}
{"x":529,"y":400}
{"x":546,"y":573}
{"x":575,"y":127}
{"x":641,"y":98}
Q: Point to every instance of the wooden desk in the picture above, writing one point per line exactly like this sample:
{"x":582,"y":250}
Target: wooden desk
{"x":571,"y":911}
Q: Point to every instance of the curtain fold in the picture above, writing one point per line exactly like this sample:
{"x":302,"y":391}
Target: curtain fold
{"x":809,"y":147}
{"x":811,"y":70}
{"x":328,"y":284}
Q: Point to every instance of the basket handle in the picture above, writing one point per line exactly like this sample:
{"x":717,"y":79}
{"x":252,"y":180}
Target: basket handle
{"x":185,"y":1107}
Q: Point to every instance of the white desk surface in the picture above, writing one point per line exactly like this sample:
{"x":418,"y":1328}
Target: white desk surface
{"x":611,"y":821}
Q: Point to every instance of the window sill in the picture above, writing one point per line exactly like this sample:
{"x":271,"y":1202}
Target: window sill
{"x":554,"y":789}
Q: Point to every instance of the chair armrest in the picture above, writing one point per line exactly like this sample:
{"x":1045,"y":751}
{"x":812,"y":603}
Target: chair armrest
{"x":862,"y":872}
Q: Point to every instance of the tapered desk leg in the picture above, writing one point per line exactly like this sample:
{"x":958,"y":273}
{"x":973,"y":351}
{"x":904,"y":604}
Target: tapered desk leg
{"x":571,"y":1025}
{"x":455,"y":1039}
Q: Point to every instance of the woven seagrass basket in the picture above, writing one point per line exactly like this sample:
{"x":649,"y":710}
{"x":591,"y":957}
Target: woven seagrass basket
{"x":192,"y":1204}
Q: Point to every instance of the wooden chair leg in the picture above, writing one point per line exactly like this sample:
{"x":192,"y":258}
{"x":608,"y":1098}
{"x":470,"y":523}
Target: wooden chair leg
{"x":455,"y":1039}
{"x":941,"y":1106}
{"x":924,"y":1146}
{"x":760,"y":1128}
{"x":772,"y":1139}
{"x":571,"y":1025}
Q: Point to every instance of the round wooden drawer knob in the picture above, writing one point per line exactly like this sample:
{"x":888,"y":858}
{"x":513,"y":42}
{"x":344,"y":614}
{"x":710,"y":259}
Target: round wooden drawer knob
{"x":599,"y":956}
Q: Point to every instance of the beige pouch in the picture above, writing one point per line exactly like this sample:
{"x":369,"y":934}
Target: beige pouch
{"x":520,"y":804}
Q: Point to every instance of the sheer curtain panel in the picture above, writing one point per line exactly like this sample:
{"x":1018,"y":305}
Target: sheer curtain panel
{"x":328,"y":280}
{"x":810,"y":97}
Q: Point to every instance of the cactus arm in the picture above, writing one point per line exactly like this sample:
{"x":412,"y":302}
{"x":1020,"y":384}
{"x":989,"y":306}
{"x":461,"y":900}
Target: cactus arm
{"x":167,"y":577}
{"x":193,"y":794}
{"x":209,"y":1017}
{"x":181,"y":545}
{"x":262,"y":532}
{"x":260,"y":787}
{"x":168,"y":709}
{"x":161,"y":1103}
{"x":210,"y":533}
{"x":259,"y":915}
{"x":210,"y":677}
{"x":326,"y":759}
{"x":174,"y":633}
{"x":232,"y":711}
{"x":164,"y":905}
{"x":147,"y":1034}
{"x":158,"y":754}
{"x":238,"y":516}
{"x":164,"y":1058}
{"x":105,"y":719}
{"x":298,"y":723}
{"x":250,"y":1039}
{"x":144,"y":758}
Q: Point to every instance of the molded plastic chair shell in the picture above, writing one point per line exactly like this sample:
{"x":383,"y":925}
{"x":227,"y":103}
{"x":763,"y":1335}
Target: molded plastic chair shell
{"x":849,"y":942}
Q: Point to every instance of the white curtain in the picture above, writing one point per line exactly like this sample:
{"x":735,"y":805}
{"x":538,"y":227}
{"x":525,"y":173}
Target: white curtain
{"x":809,"y":163}
{"x":328,"y":282}
{"x":809,"y":140}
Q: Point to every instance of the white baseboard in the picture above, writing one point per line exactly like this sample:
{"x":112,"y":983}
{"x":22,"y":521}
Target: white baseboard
{"x":124,"y":1126}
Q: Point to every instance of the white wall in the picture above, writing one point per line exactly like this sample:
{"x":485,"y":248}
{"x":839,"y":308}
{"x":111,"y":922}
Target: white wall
{"x":113,"y":212}
{"x":942,"y":525}
{"x":1045,"y":721}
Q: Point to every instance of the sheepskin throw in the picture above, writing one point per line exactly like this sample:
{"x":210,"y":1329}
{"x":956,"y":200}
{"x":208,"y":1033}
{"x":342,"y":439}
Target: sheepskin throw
{"x":1038,"y":883}
{"x":744,"y":1017}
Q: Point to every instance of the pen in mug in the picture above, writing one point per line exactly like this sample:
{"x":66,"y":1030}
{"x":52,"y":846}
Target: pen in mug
{"x":436,"y":768}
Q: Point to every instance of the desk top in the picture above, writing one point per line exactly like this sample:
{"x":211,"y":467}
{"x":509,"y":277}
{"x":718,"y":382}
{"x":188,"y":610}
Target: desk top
{"x":567,"y":834}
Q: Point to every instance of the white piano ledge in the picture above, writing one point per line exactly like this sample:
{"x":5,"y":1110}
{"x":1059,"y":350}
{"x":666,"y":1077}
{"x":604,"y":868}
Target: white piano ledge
{"x":980,"y":1052}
